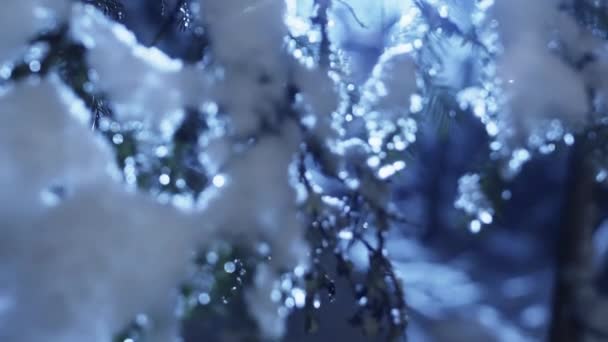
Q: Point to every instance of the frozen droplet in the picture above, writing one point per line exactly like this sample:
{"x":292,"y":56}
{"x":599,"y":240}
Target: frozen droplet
{"x":162,"y":151}
{"x":373,"y":161}
{"x":299,"y":271}
{"x":218,"y":181}
{"x":204,"y":298}
{"x":475,"y":226}
{"x":49,"y":198}
{"x":35,"y":66}
{"x":601,"y":176}
{"x":345,"y":234}
{"x":399,"y":165}
{"x":117,"y":139}
{"x":212,"y":258}
{"x":275,"y":295}
{"x":164,"y":179}
{"x":6,"y":71}
{"x":290,"y":302}
{"x":375,"y":142}
{"x":299,"y":297}
{"x":142,"y":320}
{"x":491,"y":127}
{"x":286,"y":284}
{"x":263,"y":248}
{"x":485,"y":217}
{"x":416,"y":103}
{"x":386,"y":171}
{"x":229,"y":267}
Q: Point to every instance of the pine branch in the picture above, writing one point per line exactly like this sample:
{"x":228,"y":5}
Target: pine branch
{"x":112,"y":8}
{"x":168,"y":24}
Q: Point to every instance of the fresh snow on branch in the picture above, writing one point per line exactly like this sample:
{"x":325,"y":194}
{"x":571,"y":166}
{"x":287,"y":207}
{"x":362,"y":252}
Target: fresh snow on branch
{"x":302,"y":100}
{"x":103,"y":255}
{"x":22,"y":20}
{"x":151,"y":85}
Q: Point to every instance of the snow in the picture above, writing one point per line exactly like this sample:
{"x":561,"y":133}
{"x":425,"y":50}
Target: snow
{"x":34,"y":145}
{"x":318,"y":91}
{"x":89,"y":248}
{"x":247,"y":39}
{"x":391,"y":84}
{"x":69,"y":223}
{"x":21,"y":20}
{"x":257,"y":187}
{"x":473,"y":201}
{"x":362,"y":29}
{"x":538,"y":84}
{"x":540,"y":87}
{"x":87,"y":239}
{"x":261,"y":304}
{"x":152,"y":87}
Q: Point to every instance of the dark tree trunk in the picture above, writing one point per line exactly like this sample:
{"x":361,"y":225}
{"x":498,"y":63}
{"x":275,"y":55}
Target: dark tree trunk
{"x":573,"y":249}
{"x":434,"y":198}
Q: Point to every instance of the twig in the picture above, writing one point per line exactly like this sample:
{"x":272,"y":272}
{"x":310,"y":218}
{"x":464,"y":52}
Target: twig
{"x":353,"y":13}
{"x":167,"y":24}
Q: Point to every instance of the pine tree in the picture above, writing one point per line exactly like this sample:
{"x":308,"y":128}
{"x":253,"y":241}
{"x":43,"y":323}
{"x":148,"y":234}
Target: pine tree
{"x":248,"y":150}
